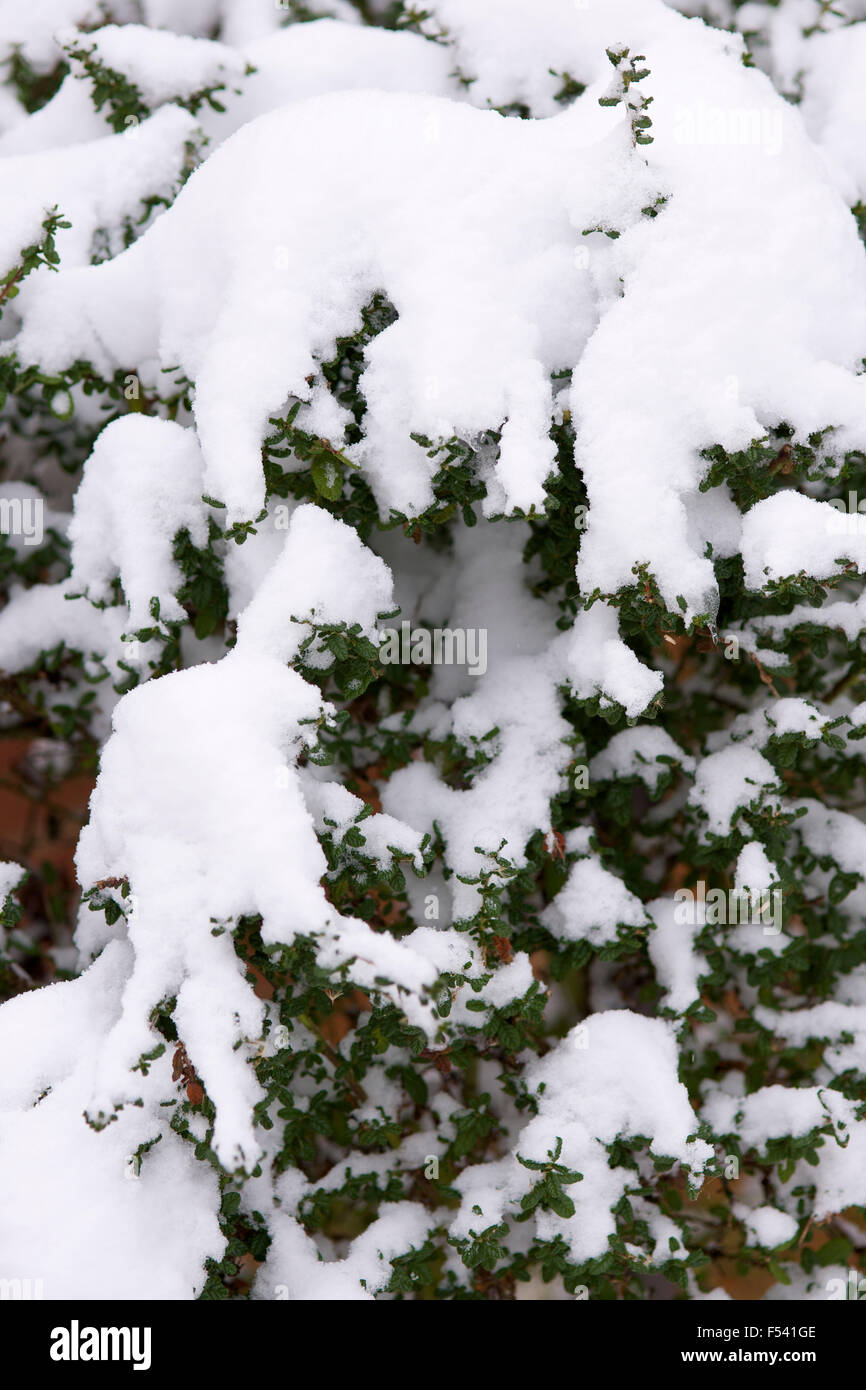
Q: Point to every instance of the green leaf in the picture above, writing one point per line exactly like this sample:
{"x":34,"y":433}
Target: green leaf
{"x":327,"y":476}
{"x":835,"y":1252}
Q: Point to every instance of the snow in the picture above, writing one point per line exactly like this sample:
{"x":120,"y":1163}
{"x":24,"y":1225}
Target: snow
{"x":788,"y":533}
{"x":256,"y":75}
{"x":774,"y":719}
{"x":32,"y":28}
{"x":835,"y":834}
{"x":591,"y":906}
{"x":141,"y":486}
{"x":528,"y":751}
{"x":293,"y":1269}
{"x":767,"y":1226}
{"x":94,"y":1228}
{"x":284,"y":270}
{"x":292,"y":283}
{"x":300,"y":588}
{"x":39,"y":619}
{"x":833,"y":120}
{"x":773,"y":1111}
{"x":755,"y":873}
{"x":307,"y":60}
{"x":70,"y":118}
{"x":728,"y":782}
{"x":101,"y":183}
{"x":531,"y":755}
{"x":353,"y":161}
{"x":336,"y":809}
{"x":599,"y":663}
{"x":161,"y":65}
{"x":645,"y":752}
{"x":685,"y":386}
{"x":10,"y":877}
{"x":678,"y":965}
{"x":202,"y":747}
{"x":842,"y":1025}
{"x":624,"y":1082}
{"x":840,"y":1177}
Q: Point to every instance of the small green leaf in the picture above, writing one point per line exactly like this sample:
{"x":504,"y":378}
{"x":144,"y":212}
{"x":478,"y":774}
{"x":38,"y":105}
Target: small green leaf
{"x":327,"y":477}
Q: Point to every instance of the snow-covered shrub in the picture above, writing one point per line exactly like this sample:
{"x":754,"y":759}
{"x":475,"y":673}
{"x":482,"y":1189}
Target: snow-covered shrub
{"x":434,"y":441}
